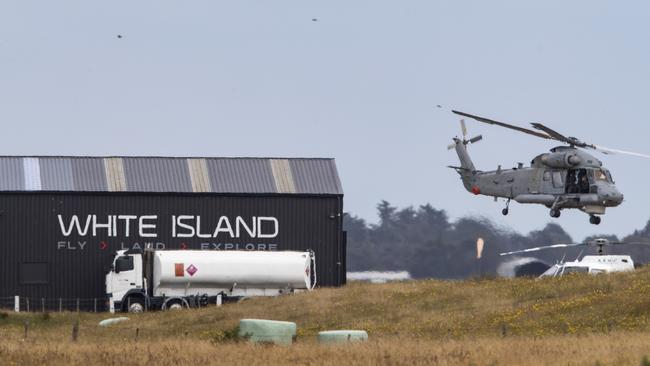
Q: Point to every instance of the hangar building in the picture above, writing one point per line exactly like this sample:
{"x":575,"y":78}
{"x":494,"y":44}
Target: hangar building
{"x":63,"y":218}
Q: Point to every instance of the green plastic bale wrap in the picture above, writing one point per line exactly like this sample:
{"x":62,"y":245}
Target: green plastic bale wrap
{"x":342,"y":336}
{"x":111,"y":321}
{"x":267,"y":331}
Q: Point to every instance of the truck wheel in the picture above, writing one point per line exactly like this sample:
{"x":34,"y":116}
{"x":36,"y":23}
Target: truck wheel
{"x":137,"y":306}
{"x":175,"y":305}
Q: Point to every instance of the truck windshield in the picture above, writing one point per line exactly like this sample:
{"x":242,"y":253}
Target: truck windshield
{"x":124,"y":263}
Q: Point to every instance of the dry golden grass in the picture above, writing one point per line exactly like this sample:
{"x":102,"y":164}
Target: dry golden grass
{"x":578,"y":320}
{"x":604,"y":349}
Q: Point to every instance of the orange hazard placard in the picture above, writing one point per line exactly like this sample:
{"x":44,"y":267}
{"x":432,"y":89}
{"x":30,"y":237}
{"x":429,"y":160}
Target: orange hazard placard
{"x":179,"y":269}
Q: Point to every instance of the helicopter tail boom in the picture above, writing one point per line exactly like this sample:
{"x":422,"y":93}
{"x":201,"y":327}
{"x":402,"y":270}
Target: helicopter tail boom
{"x":465,"y":161}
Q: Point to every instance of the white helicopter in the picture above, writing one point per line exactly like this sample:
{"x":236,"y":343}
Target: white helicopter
{"x":592,"y":264}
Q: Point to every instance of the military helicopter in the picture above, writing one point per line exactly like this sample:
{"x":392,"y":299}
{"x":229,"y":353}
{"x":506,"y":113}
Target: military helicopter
{"x":567,"y":177}
{"x":592,"y":264}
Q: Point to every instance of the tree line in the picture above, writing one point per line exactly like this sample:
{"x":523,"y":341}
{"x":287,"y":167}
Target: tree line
{"x":424,"y":242}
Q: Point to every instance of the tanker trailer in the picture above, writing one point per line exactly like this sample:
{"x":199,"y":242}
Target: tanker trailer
{"x":175,"y":279}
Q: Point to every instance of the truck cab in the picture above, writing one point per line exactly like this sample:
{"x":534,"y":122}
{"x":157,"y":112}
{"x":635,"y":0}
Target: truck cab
{"x":124,"y":280}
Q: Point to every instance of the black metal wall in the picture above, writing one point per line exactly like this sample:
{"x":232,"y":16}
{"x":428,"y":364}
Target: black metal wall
{"x":31,"y":238}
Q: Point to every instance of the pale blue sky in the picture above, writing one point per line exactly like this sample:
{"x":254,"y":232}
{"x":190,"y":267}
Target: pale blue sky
{"x":360,"y":84}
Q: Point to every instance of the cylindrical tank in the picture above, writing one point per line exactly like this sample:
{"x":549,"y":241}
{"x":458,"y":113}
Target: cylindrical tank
{"x":246,"y":269}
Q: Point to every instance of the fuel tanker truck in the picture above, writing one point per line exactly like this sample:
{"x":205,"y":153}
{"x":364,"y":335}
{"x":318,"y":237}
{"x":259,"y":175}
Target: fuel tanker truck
{"x":176,"y":279}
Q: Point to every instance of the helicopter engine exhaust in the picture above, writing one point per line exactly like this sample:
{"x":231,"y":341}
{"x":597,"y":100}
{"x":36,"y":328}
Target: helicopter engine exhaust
{"x":561,"y":160}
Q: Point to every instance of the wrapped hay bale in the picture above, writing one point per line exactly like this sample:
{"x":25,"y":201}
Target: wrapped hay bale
{"x":342,"y":336}
{"x":111,"y":321}
{"x":267,"y":331}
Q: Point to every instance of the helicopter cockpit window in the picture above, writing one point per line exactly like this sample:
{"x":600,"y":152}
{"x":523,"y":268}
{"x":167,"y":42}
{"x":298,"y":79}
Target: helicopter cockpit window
{"x":600,"y":175}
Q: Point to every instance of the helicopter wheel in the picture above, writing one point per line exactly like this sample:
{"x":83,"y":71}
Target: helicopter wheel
{"x":504,"y":212}
{"x":594,"y":220}
{"x":555,"y":213}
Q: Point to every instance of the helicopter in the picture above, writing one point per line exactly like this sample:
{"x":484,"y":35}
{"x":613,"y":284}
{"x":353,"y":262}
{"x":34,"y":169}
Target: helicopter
{"x":592,"y":264}
{"x":567,"y":177}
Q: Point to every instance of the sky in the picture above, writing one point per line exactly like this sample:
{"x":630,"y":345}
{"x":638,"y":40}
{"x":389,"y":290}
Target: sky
{"x":358,"y":81}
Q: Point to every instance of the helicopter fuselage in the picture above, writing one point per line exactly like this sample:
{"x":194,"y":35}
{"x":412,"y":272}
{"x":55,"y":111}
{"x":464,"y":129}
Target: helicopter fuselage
{"x":564,"y":178}
{"x":592,"y":264}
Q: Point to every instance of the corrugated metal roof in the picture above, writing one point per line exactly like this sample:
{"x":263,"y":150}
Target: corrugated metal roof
{"x":56,"y":174}
{"x":89,"y":174}
{"x":12,"y":177}
{"x":314,"y":176}
{"x":169,"y":175}
{"x":283,"y":177}
{"x":157,"y":175}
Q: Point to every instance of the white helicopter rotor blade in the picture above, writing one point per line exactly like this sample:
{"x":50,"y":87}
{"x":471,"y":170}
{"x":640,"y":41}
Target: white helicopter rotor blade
{"x":630,"y":243}
{"x":464,"y":128}
{"x":542,"y":248}
{"x":607,"y":150}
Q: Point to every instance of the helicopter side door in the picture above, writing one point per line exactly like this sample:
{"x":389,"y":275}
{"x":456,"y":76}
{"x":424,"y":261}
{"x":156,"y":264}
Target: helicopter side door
{"x":578,"y":181}
{"x":553,"y":181}
{"x":534,"y":185}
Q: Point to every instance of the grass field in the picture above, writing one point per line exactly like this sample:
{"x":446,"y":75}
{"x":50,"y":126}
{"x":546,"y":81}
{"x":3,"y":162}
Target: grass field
{"x":577,"y":320}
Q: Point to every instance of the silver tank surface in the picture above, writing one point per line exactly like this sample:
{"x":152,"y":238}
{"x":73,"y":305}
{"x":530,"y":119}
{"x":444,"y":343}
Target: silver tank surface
{"x":182,"y":272}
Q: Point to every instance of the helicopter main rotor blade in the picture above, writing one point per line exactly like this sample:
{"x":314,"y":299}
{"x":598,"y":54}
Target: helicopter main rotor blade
{"x":512,"y":127}
{"x":542,"y":248}
{"x":628,"y":243}
{"x":550,"y":134}
{"x":556,"y":135}
{"x":606,"y":150}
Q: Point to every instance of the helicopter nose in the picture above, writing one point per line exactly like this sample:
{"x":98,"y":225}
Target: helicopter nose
{"x":615,"y":197}
{"x":610,"y":195}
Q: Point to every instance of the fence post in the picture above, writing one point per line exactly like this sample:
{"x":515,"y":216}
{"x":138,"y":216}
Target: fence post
{"x":17,"y":304}
{"x":26,"y":324}
{"x":75,"y":330}
{"x":77,"y":304}
{"x":60,"y":305}
{"x":27,"y":300}
{"x":95,"y":304}
{"x":42,"y":304}
{"x":111,"y":305}
{"x":219,"y":300}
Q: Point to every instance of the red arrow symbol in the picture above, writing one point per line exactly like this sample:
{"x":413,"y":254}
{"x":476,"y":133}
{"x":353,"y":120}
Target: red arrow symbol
{"x":103,"y":245}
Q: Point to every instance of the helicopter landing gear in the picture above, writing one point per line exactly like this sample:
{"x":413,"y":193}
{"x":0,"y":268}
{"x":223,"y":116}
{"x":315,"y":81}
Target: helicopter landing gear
{"x":555,"y":213}
{"x":595,"y":220}
{"x":506,"y":210}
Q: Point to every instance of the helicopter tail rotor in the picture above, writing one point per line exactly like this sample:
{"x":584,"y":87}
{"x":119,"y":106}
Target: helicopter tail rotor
{"x":465,"y":141}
